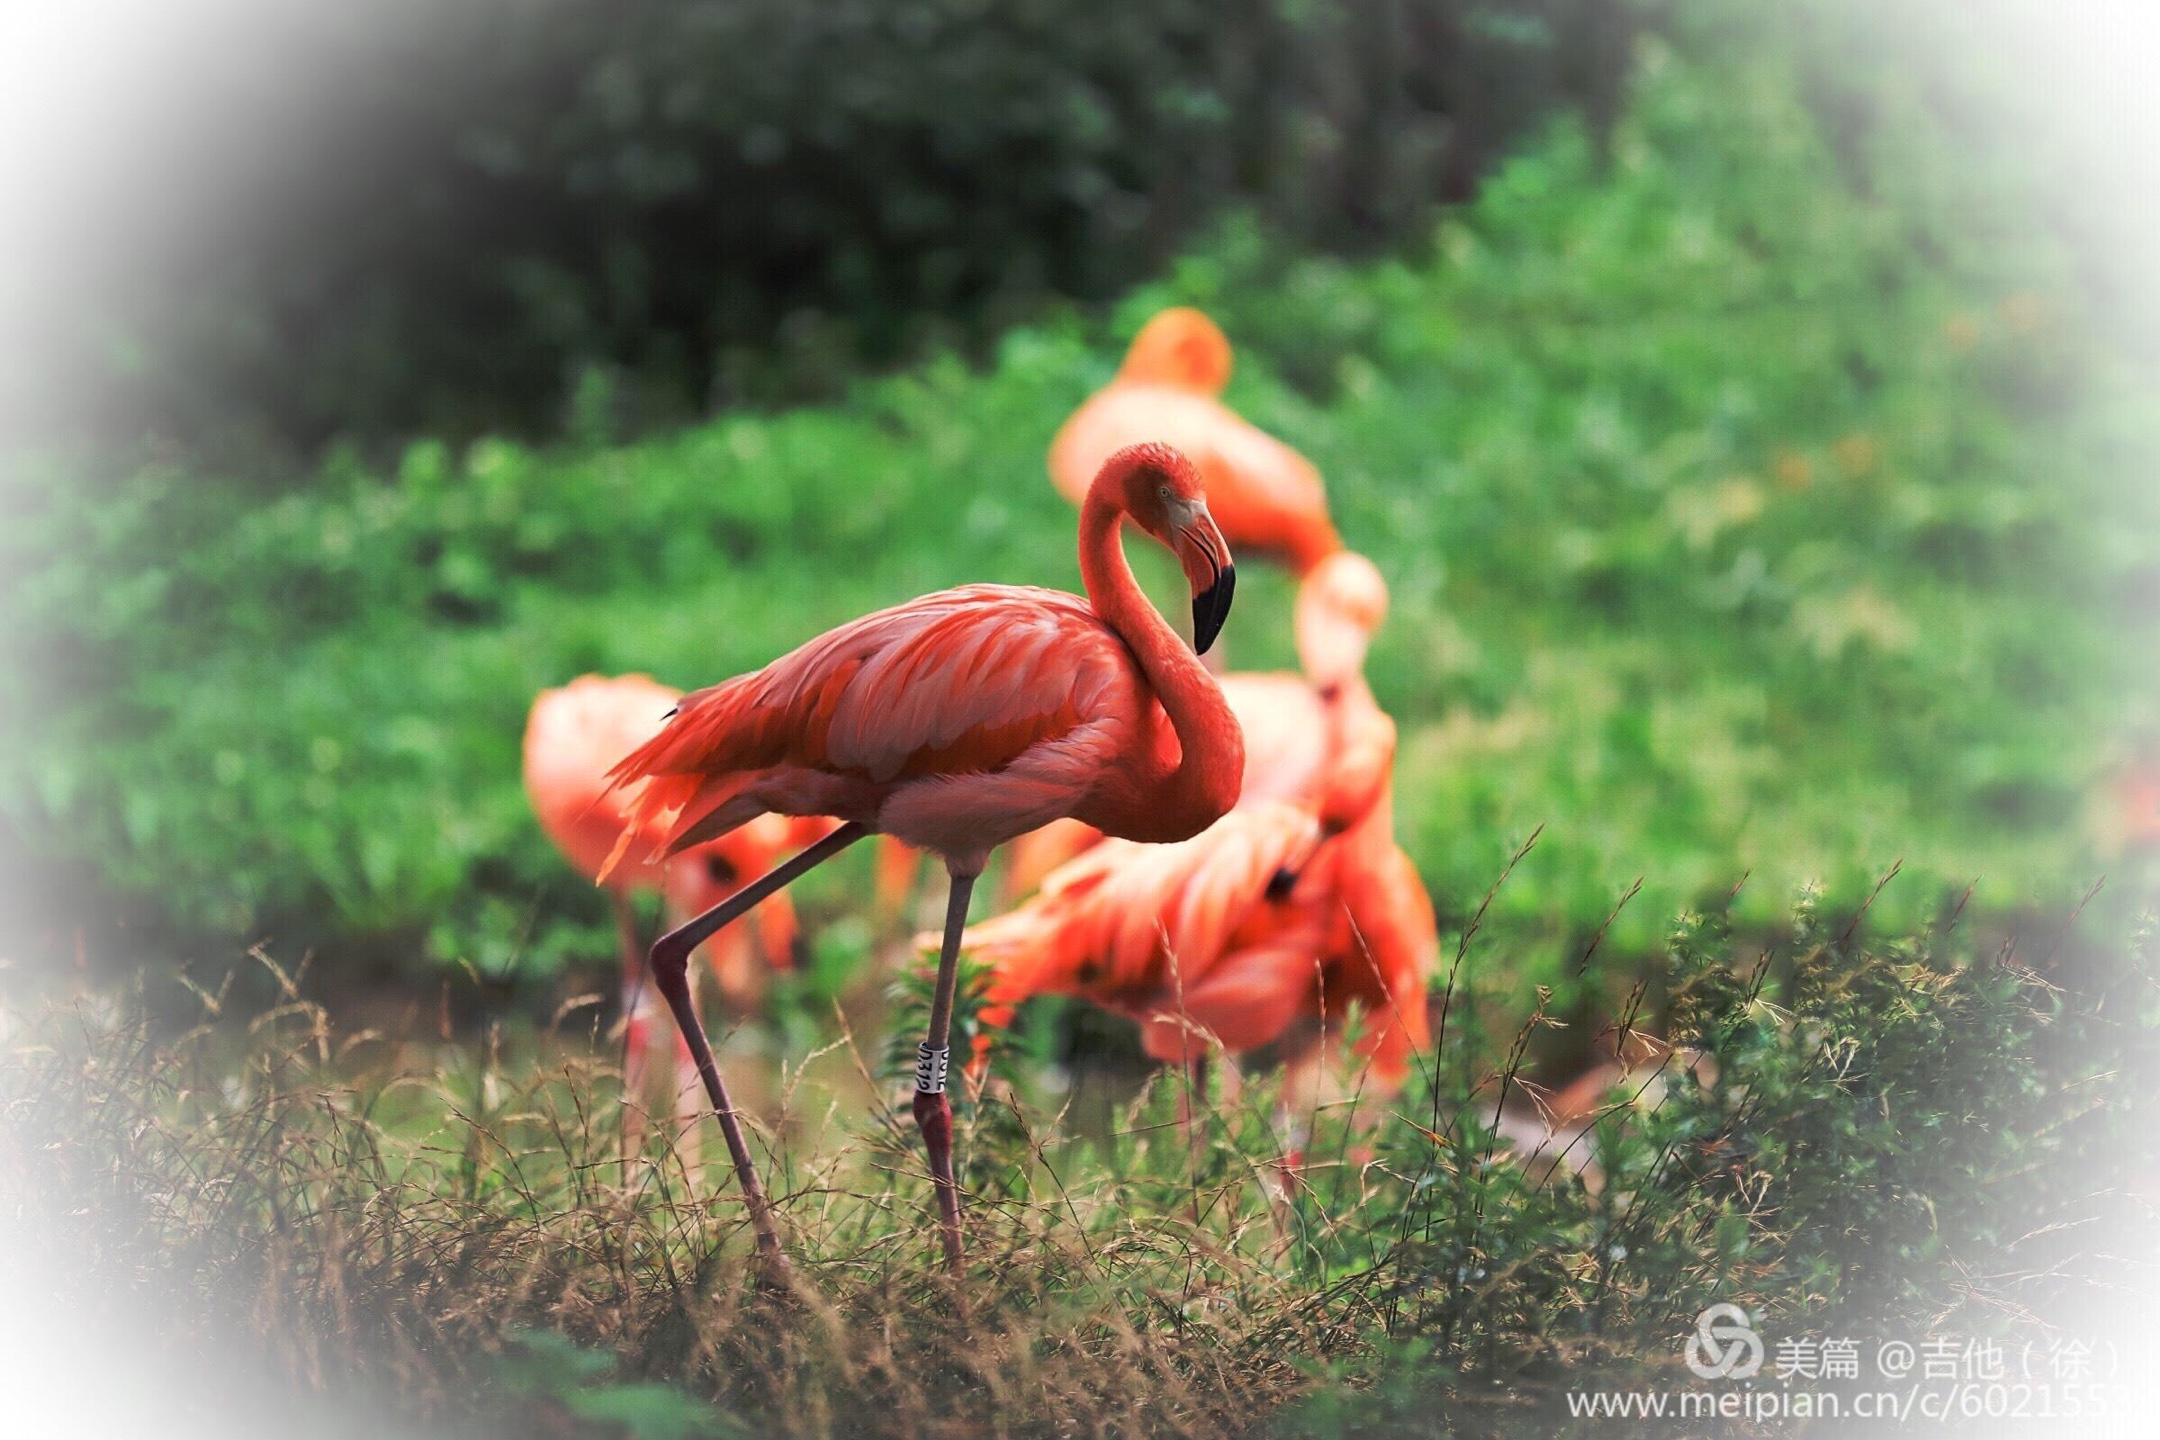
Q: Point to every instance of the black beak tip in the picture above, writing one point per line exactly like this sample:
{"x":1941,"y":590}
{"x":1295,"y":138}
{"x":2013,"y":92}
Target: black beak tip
{"x":1210,"y":608}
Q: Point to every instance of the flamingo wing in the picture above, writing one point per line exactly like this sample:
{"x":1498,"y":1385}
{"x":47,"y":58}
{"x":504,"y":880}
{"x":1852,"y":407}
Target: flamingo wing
{"x":1224,"y":878}
{"x":1248,"y":1000}
{"x":960,"y":682}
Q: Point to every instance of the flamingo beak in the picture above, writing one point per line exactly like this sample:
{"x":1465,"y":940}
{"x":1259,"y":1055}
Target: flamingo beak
{"x":1208,"y":568}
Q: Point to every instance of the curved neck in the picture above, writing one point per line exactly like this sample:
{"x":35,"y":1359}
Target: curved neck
{"x":1308,"y":545}
{"x":1166,"y":796}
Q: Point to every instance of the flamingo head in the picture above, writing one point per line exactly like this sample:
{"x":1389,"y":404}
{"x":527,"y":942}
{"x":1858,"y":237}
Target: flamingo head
{"x":1180,"y":347}
{"x":1341,"y":603}
{"x":1163,"y":493}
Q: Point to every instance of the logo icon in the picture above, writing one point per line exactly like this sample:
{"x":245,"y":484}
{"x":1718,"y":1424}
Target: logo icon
{"x":1724,"y":1344}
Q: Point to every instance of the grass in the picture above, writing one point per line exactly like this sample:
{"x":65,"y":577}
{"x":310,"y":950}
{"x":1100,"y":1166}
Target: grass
{"x":1903,"y":1134}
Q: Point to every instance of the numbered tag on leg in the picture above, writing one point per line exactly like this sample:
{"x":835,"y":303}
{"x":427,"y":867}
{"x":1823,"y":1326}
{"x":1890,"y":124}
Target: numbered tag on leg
{"x":930,"y":1067}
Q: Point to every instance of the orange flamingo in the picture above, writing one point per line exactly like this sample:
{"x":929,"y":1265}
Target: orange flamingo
{"x":954,"y":723}
{"x":1317,"y":738}
{"x":1289,"y":910}
{"x":1266,"y":497}
{"x":1199,"y":943}
{"x":2135,"y":813}
{"x":572,"y":737}
{"x":1380,"y":943}
{"x":1341,"y":605}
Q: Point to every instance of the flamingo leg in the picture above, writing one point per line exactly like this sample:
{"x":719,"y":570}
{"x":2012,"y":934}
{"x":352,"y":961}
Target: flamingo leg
{"x":1294,"y":1115}
{"x":933,"y":1111}
{"x":633,"y":986}
{"x":1192,"y":1108}
{"x":671,"y":975}
{"x":633,"y":955}
{"x":1192,"y":1104}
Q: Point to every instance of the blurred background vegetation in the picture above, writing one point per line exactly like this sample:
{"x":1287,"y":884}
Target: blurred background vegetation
{"x":1753,"y":439}
{"x":520,"y":209}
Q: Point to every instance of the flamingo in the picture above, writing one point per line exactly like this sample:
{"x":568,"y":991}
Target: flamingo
{"x":2134,"y":815}
{"x":1199,"y":943}
{"x":1293,"y":907}
{"x":955,"y":722}
{"x":1266,"y":497}
{"x":1318,"y":737}
{"x":573,"y":735}
{"x":1341,"y":604}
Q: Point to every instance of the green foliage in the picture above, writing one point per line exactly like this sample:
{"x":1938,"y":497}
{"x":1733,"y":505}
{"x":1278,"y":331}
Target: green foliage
{"x":1847,"y":1136}
{"x":1752,"y":503}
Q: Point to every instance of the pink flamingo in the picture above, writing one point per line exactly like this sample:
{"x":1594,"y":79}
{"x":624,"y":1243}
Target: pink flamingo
{"x":1290,"y":909}
{"x":1201,"y":945}
{"x":572,"y":737}
{"x":1266,"y":497}
{"x":954,"y":723}
{"x":1318,"y":738}
{"x":2135,"y":813}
